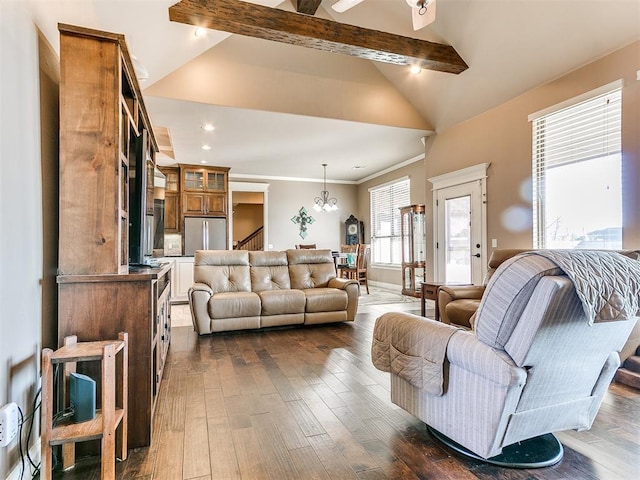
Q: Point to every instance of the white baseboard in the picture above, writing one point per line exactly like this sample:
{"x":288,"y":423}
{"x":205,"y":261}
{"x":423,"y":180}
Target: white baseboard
{"x":393,"y":287}
{"x":34,"y":451}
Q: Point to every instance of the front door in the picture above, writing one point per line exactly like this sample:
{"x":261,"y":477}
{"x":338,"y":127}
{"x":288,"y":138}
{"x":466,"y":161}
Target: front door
{"x":460,"y":247}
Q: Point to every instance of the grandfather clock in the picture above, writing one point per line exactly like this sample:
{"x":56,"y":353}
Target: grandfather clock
{"x":354,"y":231}
{"x":414,"y":248}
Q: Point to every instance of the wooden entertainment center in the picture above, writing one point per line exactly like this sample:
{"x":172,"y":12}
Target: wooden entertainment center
{"x":106,"y":137}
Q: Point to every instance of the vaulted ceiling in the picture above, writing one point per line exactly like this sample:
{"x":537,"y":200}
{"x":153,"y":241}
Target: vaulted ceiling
{"x":282,"y":110}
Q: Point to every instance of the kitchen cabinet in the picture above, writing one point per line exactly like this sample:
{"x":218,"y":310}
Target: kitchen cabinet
{"x":182,"y":279}
{"x":204,"y":190}
{"x":204,"y":204}
{"x":172,"y":223}
{"x":171,"y":212}
{"x":172,"y":178}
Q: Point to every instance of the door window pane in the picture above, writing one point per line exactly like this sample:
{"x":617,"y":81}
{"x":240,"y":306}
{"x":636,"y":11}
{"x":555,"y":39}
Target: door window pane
{"x":458,"y":239}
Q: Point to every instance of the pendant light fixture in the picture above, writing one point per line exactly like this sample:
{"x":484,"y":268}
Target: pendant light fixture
{"x":323,"y":202}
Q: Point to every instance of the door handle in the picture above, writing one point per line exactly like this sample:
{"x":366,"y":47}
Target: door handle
{"x":477,"y":255}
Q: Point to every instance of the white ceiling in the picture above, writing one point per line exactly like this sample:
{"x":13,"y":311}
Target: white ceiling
{"x":510,"y":46}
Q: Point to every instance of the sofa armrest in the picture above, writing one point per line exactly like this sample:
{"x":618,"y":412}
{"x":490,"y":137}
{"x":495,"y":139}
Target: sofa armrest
{"x":466,"y":351}
{"x":448,"y":294}
{"x":199,"y":296}
{"x":352,"y":287}
{"x":341,"y":283}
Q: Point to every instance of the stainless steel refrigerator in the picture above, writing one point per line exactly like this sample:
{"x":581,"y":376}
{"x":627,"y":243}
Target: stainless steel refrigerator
{"x":204,"y":233}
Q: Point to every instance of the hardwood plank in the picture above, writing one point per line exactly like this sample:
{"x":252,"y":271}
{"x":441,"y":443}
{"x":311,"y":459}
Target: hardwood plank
{"x":196,"y":448}
{"x":355,"y":454}
{"x":251,"y":460}
{"x":306,"y":460}
{"x":169,"y":463}
{"x":392,"y":466}
{"x":214,"y":404}
{"x":222,"y":452}
{"x":303,"y":417}
{"x":277,"y":460}
{"x":335,"y":464}
{"x":291,"y":431}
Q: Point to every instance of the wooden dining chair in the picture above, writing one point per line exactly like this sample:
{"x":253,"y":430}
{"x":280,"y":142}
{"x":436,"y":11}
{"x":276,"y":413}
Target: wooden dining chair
{"x":358,"y":271}
{"x":308,"y":246}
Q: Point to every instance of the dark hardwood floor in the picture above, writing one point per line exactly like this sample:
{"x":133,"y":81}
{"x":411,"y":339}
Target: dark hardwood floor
{"x":306,"y":403}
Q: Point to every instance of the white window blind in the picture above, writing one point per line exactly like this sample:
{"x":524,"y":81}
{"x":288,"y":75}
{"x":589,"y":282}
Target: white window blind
{"x":577,"y":162}
{"x":386,"y":235}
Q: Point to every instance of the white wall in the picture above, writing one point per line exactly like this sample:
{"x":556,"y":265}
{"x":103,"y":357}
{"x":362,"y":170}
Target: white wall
{"x":285,"y":200}
{"x":21,"y":236}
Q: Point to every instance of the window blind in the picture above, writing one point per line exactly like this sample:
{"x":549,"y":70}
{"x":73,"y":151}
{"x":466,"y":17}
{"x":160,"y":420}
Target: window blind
{"x":386,"y":235}
{"x":586,"y":130}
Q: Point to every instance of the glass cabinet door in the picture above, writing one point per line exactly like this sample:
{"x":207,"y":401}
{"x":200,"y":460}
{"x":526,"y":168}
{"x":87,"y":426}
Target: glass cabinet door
{"x":215,"y":182}
{"x":194,"y":180}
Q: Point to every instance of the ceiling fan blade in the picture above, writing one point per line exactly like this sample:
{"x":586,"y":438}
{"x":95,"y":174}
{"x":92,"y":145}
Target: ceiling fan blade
{"x":421,"y":21}
{"x":344,"y":5}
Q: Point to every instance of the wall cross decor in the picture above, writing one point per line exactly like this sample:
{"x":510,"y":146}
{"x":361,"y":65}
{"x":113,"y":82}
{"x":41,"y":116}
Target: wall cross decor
{"x":303,"y":219}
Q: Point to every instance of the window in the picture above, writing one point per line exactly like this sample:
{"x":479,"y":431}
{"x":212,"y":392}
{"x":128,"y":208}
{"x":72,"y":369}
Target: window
{"x":577,"y":174}
{"x":386,"y":239}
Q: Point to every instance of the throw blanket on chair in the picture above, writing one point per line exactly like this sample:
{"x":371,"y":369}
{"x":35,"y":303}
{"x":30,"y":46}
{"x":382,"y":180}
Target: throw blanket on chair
{"x":412,"y":347}
{"x":607,"y":283}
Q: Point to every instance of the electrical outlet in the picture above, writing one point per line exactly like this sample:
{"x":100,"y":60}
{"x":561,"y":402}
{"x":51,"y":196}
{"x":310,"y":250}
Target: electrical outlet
{"x":9,"y":421}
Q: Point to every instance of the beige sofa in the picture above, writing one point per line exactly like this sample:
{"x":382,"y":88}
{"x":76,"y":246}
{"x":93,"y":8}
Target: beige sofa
{"x":237,"y":290}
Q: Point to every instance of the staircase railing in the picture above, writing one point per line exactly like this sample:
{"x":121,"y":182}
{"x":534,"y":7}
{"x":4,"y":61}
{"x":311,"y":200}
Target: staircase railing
{"x":253,"y":241}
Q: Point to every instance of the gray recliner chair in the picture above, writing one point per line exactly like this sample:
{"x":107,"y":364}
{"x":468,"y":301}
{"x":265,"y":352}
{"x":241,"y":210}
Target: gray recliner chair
{"x":538,"y":360}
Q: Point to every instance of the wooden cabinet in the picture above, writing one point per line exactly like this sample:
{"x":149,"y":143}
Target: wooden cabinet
{"x":172,"y":210}
{"x":204,"y":204}
{"x":102,"y":120}
{"x":204,"y":190}
{"x":172,"y":179}
{"x":107,"y":160}
{"x":98,"y":307}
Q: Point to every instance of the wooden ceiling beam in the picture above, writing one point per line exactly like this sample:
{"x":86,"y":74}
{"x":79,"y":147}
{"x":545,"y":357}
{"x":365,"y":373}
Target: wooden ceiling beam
{"x":308,"y":7}
{"x":244,"y":18}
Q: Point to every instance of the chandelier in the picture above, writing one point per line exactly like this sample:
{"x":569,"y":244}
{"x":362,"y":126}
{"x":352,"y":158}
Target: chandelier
{"x":323,"y":202}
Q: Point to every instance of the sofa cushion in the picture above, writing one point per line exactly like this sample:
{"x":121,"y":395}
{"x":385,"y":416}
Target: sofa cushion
{"x":460,"y":311}
{"x":325,"y":299}
{"x":278,"y":302}
{"x":223,"y":270}
{"x":234,"y":304}
{"x":269,"y":271}
{"x":310,"y":268}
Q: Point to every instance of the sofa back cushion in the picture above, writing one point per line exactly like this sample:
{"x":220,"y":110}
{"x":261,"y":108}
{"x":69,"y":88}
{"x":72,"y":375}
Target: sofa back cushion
{"x":223,"y":270}
{"x":269,"y":271}
{"x":310,"y":268}
{"x":507,"y":294}
{"x":498,"y":257}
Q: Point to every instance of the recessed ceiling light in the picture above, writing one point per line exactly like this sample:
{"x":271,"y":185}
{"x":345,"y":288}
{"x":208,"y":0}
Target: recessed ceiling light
{"x":415,"y":69}
{"x":206,"y":147}
{"x":200,"y":32}
{"x":359,"y":167}
{"x":203,"y":161}
{"x":208,"y":127}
